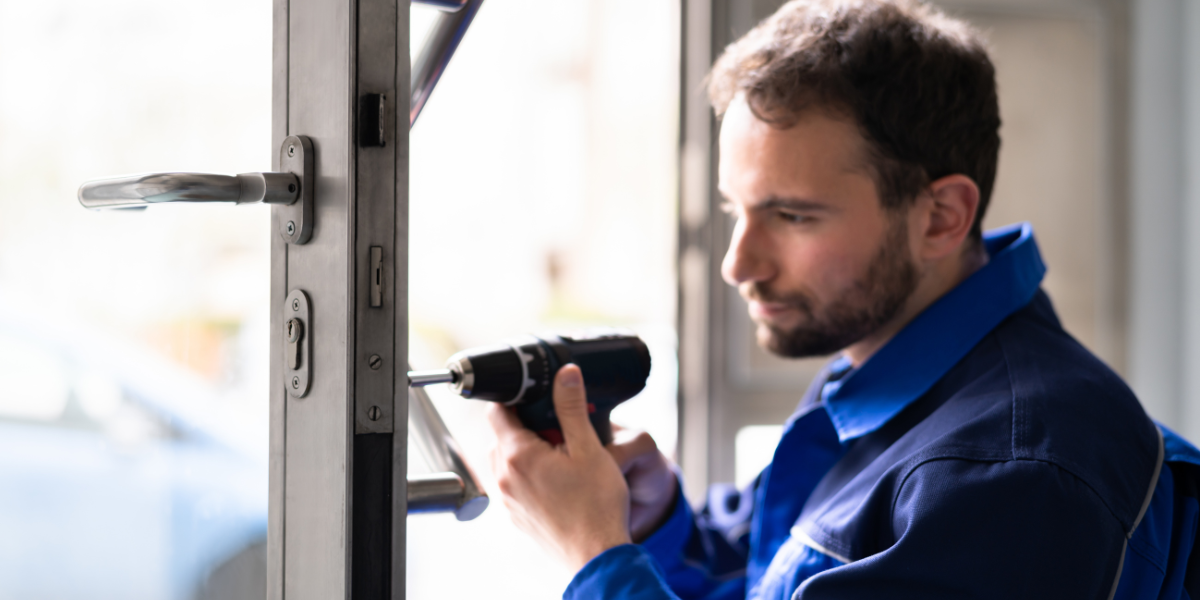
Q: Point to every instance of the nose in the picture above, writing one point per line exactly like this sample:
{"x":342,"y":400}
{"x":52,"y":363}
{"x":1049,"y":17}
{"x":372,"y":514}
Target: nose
{"x":748,"y":258}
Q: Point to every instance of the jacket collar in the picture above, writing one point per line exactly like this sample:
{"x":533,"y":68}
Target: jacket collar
{"x":866,"y":398}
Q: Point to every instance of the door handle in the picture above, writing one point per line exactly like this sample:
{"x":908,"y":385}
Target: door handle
{"x":291,"y":189}
{"x":138,"y":190}
{"x":440,"y":44}
{"x":443,"y":5}
{"x":452,"y":487}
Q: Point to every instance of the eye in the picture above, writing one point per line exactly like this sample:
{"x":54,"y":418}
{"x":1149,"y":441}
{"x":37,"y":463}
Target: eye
{"x":792,"y":217}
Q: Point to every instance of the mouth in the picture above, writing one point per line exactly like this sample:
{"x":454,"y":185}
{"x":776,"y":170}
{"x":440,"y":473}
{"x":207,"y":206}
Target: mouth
{"x":769,"y":311}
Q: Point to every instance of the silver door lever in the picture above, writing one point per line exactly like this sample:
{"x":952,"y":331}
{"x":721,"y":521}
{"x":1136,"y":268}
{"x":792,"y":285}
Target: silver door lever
{"x":137,"y":190}
{"x":291,"y":189}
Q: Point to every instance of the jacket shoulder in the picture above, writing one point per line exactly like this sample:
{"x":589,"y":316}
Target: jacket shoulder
{"x":1070,"y":409}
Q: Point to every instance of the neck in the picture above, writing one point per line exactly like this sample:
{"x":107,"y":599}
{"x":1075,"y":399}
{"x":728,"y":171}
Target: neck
{"x":937,"y":279}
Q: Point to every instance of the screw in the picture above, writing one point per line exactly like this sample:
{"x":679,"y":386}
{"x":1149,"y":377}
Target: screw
{"x":295,"y":304}
{"x":375,"y":361}
{"x":374,"y":413}
{"x":291,"y":150}
{"x":295,"y":383}
{"x":291,"y":227}
{"x":291,"y":188}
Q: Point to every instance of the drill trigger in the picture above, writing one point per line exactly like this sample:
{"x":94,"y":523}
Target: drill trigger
{"x":554,"y":436}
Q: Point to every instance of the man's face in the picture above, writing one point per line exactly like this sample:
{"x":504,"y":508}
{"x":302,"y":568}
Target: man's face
{"x":819,"y":260}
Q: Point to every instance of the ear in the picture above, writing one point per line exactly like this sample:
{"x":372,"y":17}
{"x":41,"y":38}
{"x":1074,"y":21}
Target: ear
{"x":951,"y":202}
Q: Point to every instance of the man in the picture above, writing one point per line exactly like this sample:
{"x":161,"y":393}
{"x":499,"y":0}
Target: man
{"x":961,"y":444}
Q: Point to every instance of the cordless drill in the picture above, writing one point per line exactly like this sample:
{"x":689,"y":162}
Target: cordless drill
{"x":614,"y":365}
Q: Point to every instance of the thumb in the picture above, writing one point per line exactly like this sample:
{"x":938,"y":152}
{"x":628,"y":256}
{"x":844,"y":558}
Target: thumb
{"x":570,"y":404}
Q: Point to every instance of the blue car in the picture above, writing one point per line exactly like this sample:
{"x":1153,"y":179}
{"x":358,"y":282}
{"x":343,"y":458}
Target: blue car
{"x":121,"y":476}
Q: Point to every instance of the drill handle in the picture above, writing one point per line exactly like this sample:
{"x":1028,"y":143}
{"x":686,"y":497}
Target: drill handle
{"x":541,"y":418}
{"x":602,"y":424}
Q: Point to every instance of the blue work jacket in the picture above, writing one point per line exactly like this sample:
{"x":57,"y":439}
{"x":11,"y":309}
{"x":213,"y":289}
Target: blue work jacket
{"x":981,"y":453}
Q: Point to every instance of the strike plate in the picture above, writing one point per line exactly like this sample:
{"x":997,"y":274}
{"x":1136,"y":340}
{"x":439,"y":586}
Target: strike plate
{"x":297,"y":344}
{"x":296,"y":220}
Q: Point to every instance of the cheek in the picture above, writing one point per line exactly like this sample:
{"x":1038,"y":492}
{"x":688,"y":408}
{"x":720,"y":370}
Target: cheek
{"x":826,"y":270}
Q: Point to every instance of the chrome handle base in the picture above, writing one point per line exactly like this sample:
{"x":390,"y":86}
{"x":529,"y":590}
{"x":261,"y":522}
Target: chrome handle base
{"x":438,"y":492}
{"x":435,"y":492}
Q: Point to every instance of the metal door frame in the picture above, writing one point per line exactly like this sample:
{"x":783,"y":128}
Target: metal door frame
{"x":338,"y":490}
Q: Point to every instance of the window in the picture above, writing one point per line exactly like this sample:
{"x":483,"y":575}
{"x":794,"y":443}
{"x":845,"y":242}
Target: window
{"x":542,"y":198}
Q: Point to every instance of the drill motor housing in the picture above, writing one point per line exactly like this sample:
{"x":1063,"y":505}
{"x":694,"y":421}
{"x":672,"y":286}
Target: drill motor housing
{"x":615,"y":367}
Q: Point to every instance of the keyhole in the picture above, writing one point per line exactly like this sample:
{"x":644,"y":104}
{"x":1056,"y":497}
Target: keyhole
{"x":293,"y":330}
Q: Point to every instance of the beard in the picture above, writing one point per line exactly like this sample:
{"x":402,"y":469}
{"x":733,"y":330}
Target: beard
{"x":869,"y":304}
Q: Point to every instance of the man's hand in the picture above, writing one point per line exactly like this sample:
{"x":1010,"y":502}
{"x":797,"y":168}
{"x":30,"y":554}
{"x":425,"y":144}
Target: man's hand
{"x":571,"y":498}
{"x":651,"y":482}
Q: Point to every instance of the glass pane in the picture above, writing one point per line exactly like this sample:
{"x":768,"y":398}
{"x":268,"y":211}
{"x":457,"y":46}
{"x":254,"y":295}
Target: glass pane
{"x":542,"y":198}
{"x":133,"y":345}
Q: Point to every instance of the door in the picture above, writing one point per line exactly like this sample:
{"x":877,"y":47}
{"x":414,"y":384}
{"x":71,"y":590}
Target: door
{"x":325,"y":289}
{"x":337,"y":384}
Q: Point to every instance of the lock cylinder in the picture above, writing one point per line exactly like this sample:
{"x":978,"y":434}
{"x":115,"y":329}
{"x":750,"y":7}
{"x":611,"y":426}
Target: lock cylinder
{"x":297,"y":344}
{"x":294,"y":330}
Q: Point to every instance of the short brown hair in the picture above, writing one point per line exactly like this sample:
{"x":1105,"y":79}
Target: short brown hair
{"x":919,"y":85}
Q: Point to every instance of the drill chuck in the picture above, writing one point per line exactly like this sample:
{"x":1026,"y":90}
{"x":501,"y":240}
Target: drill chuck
{"x":615,"y":367}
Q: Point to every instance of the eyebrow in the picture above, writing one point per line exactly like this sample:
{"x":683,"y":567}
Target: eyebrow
{"x":778,"y":202}
{"x":774,"y":202}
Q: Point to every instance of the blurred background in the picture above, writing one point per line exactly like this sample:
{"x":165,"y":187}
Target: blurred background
{"x":565,"y":159}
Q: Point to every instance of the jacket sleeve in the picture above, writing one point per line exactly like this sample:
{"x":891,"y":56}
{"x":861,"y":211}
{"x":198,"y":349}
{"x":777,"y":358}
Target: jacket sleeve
{"x":693,"y":556}
{"x":978,"y":529}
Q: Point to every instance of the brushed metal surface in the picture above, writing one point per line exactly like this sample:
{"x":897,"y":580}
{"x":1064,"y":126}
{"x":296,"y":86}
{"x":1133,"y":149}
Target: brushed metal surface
{"x":296,"y":222}
{"x":375,"y":205}
{"x":277,"y":396}
{"x":398,"y":286}
{"x":317,"y":478}
{"x":328,"y":53}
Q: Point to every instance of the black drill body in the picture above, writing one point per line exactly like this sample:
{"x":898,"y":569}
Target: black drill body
{"x":614,"y":366}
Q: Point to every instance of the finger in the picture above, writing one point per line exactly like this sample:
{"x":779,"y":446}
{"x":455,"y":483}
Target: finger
{"x":501,"y":419}
{"x":494,"y":464}
{"x":508,"y":427}
{"x":631,"y":450}
{"x":570,"y":404}
{"x":624,"y":435}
